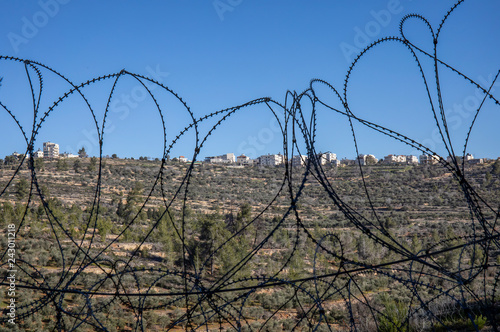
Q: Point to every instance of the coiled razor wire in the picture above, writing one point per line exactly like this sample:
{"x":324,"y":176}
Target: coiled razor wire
{"x":206,"y":301}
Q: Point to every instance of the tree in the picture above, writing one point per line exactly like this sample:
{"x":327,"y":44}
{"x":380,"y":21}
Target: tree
{"x":61,"y":165}
{"x":296,"y":265}
{"x":114,"y":156}
{"x":7,"y":214}
{"x":133,"y":200}
{"x":394,"y":315}
{"x":487,"y":179}
{"x":10,"y":160}
{"x":120,"y":210}
{"x":76,"y":166}
{"x":103,"y":226}
{"x":242,"y":218}
{"x":45,"y":191}
{"x":92,"y":165}
{"x":212,"y":234}
{"x":82,"y":153}
{"x":39,"y":164}
{"x":496,"y":167}
{"x":416,"y":245}
{"x":365,"y":249}
{"x":22,"y":189}
{"x":370,"y":160}
{"x":134,"y":195}
{"x":232,"y":254}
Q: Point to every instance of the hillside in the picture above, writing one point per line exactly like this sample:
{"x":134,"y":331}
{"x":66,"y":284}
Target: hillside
{"x":148,"y":228}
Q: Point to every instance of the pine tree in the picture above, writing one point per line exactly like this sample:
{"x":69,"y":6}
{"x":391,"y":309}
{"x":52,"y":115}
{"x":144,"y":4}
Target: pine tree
{"x":82,"y":153}
{"x":496,"y":167}
{"x":22,"y":189}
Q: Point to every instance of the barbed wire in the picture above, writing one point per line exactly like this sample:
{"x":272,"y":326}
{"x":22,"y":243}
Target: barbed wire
{"x":90,"y":283}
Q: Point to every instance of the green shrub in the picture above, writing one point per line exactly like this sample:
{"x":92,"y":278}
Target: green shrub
{"x":393,"y":317}
{"x":479,"y":321}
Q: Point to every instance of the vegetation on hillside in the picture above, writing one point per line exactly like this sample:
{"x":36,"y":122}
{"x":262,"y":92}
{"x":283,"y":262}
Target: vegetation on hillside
{"x":149,"y":230}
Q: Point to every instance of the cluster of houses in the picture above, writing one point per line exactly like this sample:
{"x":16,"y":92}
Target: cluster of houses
{"x":265,"y":160}
{"x":329,"y":158}
{"x":469,"y":159}
{"x":51,"y":151}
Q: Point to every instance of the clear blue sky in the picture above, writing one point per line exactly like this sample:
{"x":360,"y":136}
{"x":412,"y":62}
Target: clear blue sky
{"x":218,"y":54}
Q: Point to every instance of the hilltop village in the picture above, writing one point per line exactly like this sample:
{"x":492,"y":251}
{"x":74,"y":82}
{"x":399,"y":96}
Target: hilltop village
{"x":51,"y":151}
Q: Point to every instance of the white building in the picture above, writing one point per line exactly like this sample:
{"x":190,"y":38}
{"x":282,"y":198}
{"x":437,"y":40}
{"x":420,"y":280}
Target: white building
{"x":400,"y":159}
{"x":227,"y":158}
{"x":364,"y":159}
{"x":244,"y":160}
{"x":475,"y":161}
{"x":183,"y":159}
{"x":321,"y":159}
{"x":271,"y":159}
{"x":50,"y":150}
{"x":468,"y":157}
{"x":411,"y":159}
{"x":327,"y":158}
{"x":390,"y":159}
{"x":395,"y":159}
{"x":213,"y":160}
{"x":299,"y":160}
{"x":426,"y":159}
{"x":38,"y":154}
{"x":68,"y":155}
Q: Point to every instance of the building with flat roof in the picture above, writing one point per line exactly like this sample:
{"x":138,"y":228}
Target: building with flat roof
{"x":411,"y":159}
{"x":244,"y":160}
{"x":50,"y":150}
{"x":394,"y":159}
{"x":299,"y":160}
{"x":271,"y":159}
{"x":38,"y":154}
{"x":475,"y":161}
{"x":68,"y":155}
{"x":426,"y":159}
{"x":327,"y":158}
{"x":227,"y":158}
{"x":468,"y":157}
